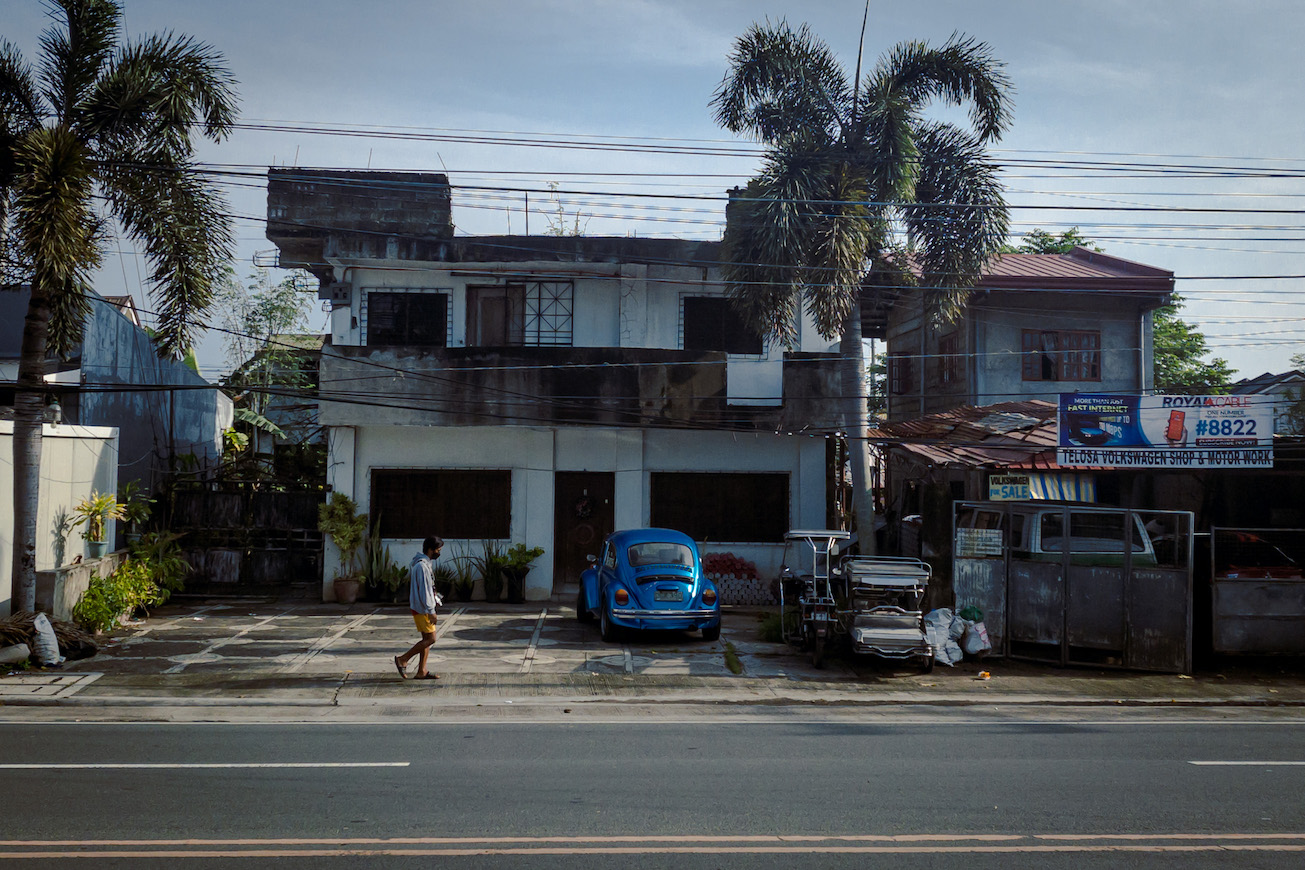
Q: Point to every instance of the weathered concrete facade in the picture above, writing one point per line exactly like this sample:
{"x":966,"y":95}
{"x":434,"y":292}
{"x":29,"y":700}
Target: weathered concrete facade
{"x":600,"y":378}
{"x":1100,"y":305}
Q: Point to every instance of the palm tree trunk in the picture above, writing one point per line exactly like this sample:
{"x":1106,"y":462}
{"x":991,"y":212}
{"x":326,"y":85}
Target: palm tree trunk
{"x":29,"y":412}
{"x":856,"y":421}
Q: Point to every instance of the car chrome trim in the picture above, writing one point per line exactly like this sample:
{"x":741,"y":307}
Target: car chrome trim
{"x":626,"y":613}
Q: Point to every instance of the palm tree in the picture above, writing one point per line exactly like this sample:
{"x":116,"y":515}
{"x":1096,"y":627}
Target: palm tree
{"x":102,"y":131}
{"x":857,"y":182}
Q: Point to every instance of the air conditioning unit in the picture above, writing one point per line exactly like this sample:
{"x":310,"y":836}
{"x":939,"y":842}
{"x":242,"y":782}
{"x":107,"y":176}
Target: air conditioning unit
{"x":337,"y":292}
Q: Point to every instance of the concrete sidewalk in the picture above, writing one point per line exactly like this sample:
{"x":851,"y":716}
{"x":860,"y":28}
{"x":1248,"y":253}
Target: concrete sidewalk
{"x":262,"y":653}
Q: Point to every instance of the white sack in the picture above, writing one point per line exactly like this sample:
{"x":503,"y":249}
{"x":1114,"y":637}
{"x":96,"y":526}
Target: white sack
{"x":47,"y":645}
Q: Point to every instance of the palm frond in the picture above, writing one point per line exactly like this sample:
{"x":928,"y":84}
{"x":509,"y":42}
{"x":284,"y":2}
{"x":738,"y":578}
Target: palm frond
{"x":963,"y":70}
{"x":958,"y":220}
{"x":75,"y":50}
{"x":58,"y":231}
{"x":783,"y":83}
{"x":159,"y":91}
{"x":180,"y":221}
{"x":20,"y":101}
{"x":839,"y":237}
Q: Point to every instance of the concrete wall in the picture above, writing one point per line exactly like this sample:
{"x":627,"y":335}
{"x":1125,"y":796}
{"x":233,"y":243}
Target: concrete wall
{"x":75,"y":461}
{"x":153,"y":424}
{"x":533,"y":455}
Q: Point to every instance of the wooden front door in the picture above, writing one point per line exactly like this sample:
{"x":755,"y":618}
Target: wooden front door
{"x":583,"y":513}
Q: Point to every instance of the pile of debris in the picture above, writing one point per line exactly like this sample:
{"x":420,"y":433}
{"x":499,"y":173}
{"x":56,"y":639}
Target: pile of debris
{"x":49,"y":642}
{"x":956,"y":635}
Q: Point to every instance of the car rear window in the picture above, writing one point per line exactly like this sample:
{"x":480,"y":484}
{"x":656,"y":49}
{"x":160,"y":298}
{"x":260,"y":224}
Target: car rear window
{"x":659,"y":554}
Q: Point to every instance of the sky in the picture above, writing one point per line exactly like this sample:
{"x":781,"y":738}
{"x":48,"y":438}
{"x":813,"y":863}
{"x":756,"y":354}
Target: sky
{"x":1169,"y":131}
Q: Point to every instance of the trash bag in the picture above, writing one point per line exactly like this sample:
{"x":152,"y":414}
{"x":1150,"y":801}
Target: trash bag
{"x":46,"y":645}
{"x":938,"y":627}
{"x":975,"y":640}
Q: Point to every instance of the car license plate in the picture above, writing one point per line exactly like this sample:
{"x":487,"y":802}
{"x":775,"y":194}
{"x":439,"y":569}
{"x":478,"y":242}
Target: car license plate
{"x":668,"y":595}
{"x":821,"y":616}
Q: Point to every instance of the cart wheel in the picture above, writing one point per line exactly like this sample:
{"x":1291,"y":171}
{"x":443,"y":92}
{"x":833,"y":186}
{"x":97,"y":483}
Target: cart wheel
{"x":817,"y":652}
{"x":926,"y":664}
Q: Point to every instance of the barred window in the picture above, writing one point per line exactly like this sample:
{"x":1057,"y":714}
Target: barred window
{"x":949,"y":361}
{"x":1061,"y":355}
{"x":414,"y":503}
{"x":413,"y":318}
{"x":521,"y":313}
{"x":721,"y":507}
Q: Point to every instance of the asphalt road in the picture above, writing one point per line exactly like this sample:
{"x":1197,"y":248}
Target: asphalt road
{"x":970,"y":793}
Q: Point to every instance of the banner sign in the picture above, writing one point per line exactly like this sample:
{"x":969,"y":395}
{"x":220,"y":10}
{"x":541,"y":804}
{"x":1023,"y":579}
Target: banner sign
{"x":1165,"y":431}
{"x":1009,"y":487}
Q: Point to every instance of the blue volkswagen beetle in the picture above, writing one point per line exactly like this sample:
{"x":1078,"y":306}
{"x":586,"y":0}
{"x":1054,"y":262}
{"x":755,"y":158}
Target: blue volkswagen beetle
{"x":648,"y":578}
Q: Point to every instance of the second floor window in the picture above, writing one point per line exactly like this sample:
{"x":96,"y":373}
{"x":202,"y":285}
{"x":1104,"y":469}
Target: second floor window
{"x":711,"y":323}
{"x":520,"y":313}
{"x":415,"y":318}
{"x":1061,"y":355}
{"x":899,"y":373}
{"x":949,"y":362}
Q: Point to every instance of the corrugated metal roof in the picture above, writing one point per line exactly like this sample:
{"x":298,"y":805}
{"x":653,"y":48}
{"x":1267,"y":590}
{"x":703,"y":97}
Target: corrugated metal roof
{"x":1005,"y":435}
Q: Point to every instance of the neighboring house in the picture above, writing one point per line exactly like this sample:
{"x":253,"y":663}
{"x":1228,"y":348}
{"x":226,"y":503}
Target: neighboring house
{"x":1035,"y":326}
{"x":1287,"y":393}
{"x":288,"y":369}
{"x":546,"y":390}
{"x":162,"y":409}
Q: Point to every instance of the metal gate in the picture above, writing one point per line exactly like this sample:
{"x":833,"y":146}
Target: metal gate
{"x":1078,"y":584}
{"x":1258,"y":590}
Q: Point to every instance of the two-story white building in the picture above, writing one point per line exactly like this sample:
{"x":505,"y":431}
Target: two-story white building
{"x":543,"y":389}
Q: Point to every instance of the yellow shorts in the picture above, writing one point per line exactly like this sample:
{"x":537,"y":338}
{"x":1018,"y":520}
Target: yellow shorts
{"x":425,"y":622}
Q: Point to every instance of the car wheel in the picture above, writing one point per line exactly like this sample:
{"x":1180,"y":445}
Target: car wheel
{"x":711,"y":632}
{"x":605,"y":628}
{"x":581,"y":607}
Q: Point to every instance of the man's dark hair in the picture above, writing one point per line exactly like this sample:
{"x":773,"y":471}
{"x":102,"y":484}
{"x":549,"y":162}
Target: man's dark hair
{"x":433,"y":542}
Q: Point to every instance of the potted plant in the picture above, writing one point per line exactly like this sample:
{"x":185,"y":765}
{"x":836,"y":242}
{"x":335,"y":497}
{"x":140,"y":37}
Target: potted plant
{"x":518,"y":559}
{"x":463,"y":569}
{"x":382,"y":577}
{"x":135,"y":509}
{"x":339,"y":520}
{"x":445,"y":579}
{"x":490,"y":564}
{"x":94,"y":512}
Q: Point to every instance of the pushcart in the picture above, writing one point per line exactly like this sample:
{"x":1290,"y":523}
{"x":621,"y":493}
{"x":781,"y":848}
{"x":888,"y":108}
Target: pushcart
{"x":873,"y":602}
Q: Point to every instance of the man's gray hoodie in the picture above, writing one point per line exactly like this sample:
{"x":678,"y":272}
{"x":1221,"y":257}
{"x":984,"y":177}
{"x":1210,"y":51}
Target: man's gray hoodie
{"x":421,"y":576}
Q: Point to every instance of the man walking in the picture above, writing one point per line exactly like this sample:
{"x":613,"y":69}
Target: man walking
{"x":422,"y":601}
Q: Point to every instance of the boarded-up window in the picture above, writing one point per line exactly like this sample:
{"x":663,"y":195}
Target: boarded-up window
{"x":1061,"y":355}
{"x":721,"y":507}
{"x":712,"y":323}
{"x":414,"y":503}
{"x":416,"y":319}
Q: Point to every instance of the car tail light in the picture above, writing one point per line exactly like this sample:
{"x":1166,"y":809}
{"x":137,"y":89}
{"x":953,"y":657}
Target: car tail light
{"x":622,"y":597}
{"x":709,"y":596}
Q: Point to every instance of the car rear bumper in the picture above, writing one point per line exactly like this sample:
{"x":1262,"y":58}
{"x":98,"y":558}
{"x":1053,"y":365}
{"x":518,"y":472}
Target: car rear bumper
{"x":690,"y":620}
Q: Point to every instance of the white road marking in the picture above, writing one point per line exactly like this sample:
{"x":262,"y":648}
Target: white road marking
{"x":1248,"y":763}
{"x":108,"y":765}
{"x":324,"y":643}
{"x":534,"y":642}
{"x":206,"y":653}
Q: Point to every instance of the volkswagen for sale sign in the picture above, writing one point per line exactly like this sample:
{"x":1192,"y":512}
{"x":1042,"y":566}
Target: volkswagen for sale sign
{"x":1106,"y":431}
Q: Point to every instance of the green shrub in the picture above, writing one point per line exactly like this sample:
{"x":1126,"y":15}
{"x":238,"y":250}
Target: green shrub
{"x":119,"y":594}
{"x":161,"y":554}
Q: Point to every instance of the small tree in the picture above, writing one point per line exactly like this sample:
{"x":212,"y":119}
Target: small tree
{"x":1178,"y":349}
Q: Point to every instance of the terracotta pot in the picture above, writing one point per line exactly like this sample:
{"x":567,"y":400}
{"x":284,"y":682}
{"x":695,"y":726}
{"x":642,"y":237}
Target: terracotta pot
{"x":346,"y":590}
